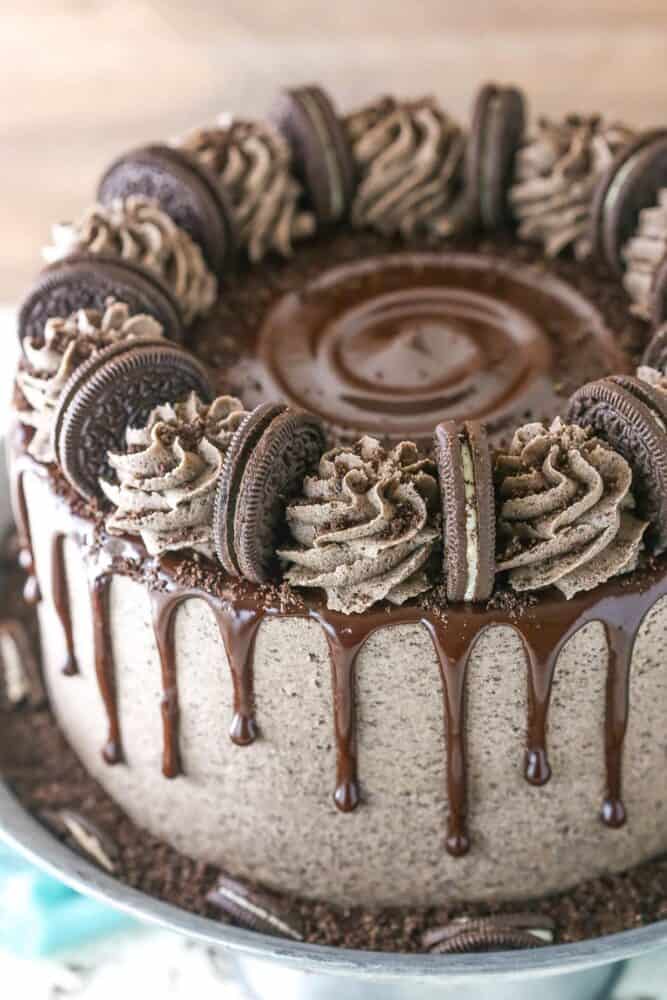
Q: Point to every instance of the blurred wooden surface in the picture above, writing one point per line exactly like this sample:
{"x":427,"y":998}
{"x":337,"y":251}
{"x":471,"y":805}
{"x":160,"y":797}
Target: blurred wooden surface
{"x":84,"y":79}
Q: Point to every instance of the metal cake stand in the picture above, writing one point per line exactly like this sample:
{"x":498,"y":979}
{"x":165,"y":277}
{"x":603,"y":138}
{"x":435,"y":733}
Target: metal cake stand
{"x":270,"y":967}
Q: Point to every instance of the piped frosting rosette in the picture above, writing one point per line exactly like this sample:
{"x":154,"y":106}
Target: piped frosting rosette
{"x":408,"y":157}
{"x":556,"y":175}
{"x":253,"y":162}
{"x":51,"y":359}
{"x":168,"y":475}
{"x":136,"y":229}
{"x":566,"y":510}
{"x":365,"y":526}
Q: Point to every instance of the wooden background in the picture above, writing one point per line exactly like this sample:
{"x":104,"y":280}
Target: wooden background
{"x":82,"y":79}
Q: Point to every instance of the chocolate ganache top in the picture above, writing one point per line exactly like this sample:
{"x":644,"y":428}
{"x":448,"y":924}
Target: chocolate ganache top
{"x":389,"y":343}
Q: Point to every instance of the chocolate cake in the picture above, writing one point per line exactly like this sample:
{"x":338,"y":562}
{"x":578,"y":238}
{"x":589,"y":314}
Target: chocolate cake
{"x":340,"y":473}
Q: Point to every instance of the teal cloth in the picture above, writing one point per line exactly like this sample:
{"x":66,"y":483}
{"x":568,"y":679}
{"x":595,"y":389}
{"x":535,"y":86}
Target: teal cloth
{"x":40,"y":915}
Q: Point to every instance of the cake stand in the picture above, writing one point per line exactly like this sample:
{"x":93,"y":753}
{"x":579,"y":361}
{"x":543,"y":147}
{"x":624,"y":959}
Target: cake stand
{"x":270,"y":967}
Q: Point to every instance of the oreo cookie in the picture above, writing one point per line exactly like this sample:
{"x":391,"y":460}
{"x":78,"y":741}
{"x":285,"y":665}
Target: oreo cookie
{"x":265,"y":465}
{"x":631,"y":183}
{"x":655,"y":355}
{"x":466,"y":487}
{"x":185,"y":190}
{"x":86,"y":281}
{"x":496,"y":132}
{"x":255,"y":909}
{"x":632,"y":416}
{"x":115,"y":389}
{"x":321,"y":152}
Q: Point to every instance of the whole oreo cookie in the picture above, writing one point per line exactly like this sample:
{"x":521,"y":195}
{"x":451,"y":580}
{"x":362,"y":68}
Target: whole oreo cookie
{"x":115,"y":389}
{"x":466,"y":487}
{"x":86,"y":281}
{"x":321,"y":153}
{"x":632,"y":416}
{"x":655,"y":355}
{"x":185,"y":190}
{"x":496,"y":132}
{"x":631,"y":183}
{"x":265,"y":465}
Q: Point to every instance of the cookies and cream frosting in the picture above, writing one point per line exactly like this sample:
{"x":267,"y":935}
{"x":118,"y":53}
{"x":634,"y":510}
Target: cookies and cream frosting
{"x":654,"y":377}
{"x":643,"y":254}
{"x":168,"y":475}
{"x":365,"y":526}
{"x":136,"y":229}
{"x":556,"y":174}
{"x":565,"y":513}
{"x":253,"y":162}
{"x":408,"y":157}
{"x":51,"y":359}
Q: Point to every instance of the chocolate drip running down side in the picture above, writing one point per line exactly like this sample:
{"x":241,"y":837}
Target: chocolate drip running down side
{"x":544,"y":627}
{"x":237,"y":632}
{"x":100,"y":586}
{"x":31,"y":592}
{"x":60,"y":596}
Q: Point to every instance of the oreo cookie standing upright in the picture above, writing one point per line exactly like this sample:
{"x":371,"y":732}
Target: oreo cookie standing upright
{"x":185,"y":190}
{"x":321,"y":152}
{"x":86,"y":281}
{"x":468,"y":508}
{"x":632,"y":416}
{"x":631,"y":183}
{"x":265,"y":465}
{"x":496,"y":132}
{"x":113,"y":390}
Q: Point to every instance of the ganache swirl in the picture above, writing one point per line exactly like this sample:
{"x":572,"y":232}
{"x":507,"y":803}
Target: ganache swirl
{"x":253,"y":162}
{"x":366,"y":526}
{"x":644,"y":253}
{"x":52,"y":358}
{"x":136,"y":229}
{"x":408,"y":157}
{"x":556,"y":174}
{"x":167,"y":479}
{"x":565,"y":510}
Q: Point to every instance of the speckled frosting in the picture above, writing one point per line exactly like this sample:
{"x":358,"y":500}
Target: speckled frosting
{"x":366,"y":526}
{"x":51,"y":360}
{"x":136,"y":229}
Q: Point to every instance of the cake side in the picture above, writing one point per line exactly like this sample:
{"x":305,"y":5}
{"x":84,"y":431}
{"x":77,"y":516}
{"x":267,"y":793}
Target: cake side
{"x":266,"y":810}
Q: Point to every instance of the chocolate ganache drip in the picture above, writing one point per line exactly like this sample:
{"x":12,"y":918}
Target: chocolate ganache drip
{"x":408,"y":157}
{"x":366,"y":525}
{"x":52,"y":358}
{"x":253,"y":163}
{"x":566,"y":513}
{"x":557,"y":171}
{"x":167,"y":478}
{"x":643,"y":255}
{"x":136,"y":229}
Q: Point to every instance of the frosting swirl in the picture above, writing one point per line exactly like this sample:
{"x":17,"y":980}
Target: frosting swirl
{"x":136,"y":229}
{"x":408,"y":158}
{"x":253,"y":161}
{"x":168,"y":476}
{"x":366,"y":526}
{"x":654,"y":377}
{"x":53,"y":357}
{"x":556,"y":174}
{"x":565,"y":516}
{"x":643,"y":254}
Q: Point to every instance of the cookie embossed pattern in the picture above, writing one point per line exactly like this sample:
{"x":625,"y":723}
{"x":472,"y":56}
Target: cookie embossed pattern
{"x":441,"y":492}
